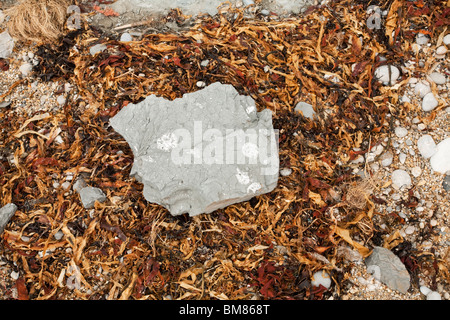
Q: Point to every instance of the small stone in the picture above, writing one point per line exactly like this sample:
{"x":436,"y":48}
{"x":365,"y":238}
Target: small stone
{"x":321,"y":278}
{"x":416,"y":171}
{"x":306,"y":109}
{"x":6,"y":45}
{"x":61,"y":100}
{"x":65,"y":185}
{"x":248,"y":2}
{"x":438,"y":78}
{"x":6,"y":213}
{"x":441,"y":50}
{"x":58,"y":235}
{"x":386,"y":267}
{"x":429,"y":102}
{"x":446,"y":39}
{"x":5,"y":104}
{"x":433,"y":222}
{"x":405,"y":98}
{"x":401,"y":132}
{"x":79,"y":184}
{"x":15,"y":275}
{"x":26,"y":69}
{"x":421,"y":89}
{"x":426,"y":146}
{"x":387,"y":74}
{"x":67,"y":87}
{"x":89,"y":195}
{"x":126,"y":37}
{"x":400,"y":178}
{"x":285,"y":171}
{"x":424,"y":290}
{"x":204,"y":63}
{"x":402,"y":157}
{"x":97,"y":48}
{"x":446,"y":183}
{"x":440,"y":160}
{"x":413,"y":80}
{"x":410,"y":230}
{"x":421,"y":126}
{"x":433,"y":295}
{"x":422,"y":39}
{"x":201,"y":84}
{"x":386,"y":158}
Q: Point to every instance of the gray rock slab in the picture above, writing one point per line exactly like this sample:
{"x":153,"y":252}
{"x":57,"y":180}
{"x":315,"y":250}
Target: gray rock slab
{"x":202,"y":152}
{"x":386,"y":267}
{"x":6,"y":212}
{"x":89,"y":195}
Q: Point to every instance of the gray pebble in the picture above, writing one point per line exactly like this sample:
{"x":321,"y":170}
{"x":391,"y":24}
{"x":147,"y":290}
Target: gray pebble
{"x":388,"y":268}
{"x":306,"y":109}
{"x":6,"y":212}
{"x":89,"y":195}
{"x":446,"y":183}
{"x":97,"y":48}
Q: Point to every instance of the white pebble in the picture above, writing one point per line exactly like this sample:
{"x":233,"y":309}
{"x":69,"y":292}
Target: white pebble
{"x":425,"y":290}
{"x":405,"y":98}
{"x":386,"y":159}
{"x":67,"y":87}
{"x":421,"y":39}
{"x":416,"y":171}
{"x":402,"y":158}
{"x":285,"y":172}
{"x":400,"y":178}
{"x":204,"y":63}
{"x":401,"y":132}
{"x":387,"y":74}
{"x":61,"y":100}
{"x":58,"y":236}
{"x":421,"y":89}
{"x":126,"y":37}
{"x":201,"y":84}
{"x":410,"y":230}
{"x":433,"y":295}
{"x":421,"y":126}
{"x":433,"y":222}
{"x":429,"y":102}
{"x":438,"y":78}
{"x":447,"y":39}
{"x":15,"y":275}
{"x":412,"y":80}
{"x":321,"y":278}
{"x":441,"y":50}
{"x":26,"y":68}
{"x":440,"y":160}
{"x":426,"y":146}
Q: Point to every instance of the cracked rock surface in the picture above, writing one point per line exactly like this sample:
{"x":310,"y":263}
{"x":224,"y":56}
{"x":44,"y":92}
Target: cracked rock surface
{"x":202,"y":152}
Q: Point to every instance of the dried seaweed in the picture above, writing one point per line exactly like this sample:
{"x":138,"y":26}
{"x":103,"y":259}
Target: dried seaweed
{"x":127,"y":248}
